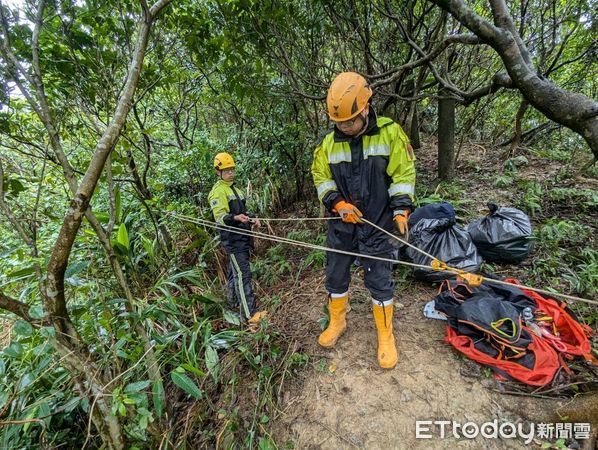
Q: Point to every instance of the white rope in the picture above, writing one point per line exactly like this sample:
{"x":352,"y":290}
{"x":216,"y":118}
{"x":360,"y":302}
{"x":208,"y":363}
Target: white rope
{"x":290,"y":219}
{"x":448,"y":269}
{"x":488,"y":280}
{"x":283,"y":240}
{"x":432,"y":258}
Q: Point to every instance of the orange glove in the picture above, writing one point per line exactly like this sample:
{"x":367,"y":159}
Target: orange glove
{"x":348,"y":212}
{"x":400,"y":218}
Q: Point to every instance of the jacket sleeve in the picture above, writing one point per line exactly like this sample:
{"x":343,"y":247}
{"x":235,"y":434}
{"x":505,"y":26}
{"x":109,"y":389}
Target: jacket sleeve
{"x":401,"y":170}
{"x":328,"y":192}
{"x":219,"y":207}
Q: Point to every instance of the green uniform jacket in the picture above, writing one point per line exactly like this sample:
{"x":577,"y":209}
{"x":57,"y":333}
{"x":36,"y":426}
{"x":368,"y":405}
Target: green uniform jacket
{"x":226,"y":201}
{"x":375,"y":172}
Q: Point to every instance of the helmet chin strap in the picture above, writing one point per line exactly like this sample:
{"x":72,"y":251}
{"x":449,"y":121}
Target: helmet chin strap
{"x":365,"y":126}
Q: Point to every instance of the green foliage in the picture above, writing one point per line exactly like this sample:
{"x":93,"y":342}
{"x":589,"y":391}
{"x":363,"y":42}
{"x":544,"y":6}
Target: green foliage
{"x":532,"y":197}
{"x":227,"y":75}
{"x":186,"y":383}
{"x":451,"y":192}
{"x":554,"y":232}
{"x":34,"y":387}
{"x":317,"y":258}
{"x":504,"y":180}
{"x":509,"y":174}
{"x":563,"y":256}
{"x":583,"y":275}
{"x":273,"y":267}
{"x":585,"y":199}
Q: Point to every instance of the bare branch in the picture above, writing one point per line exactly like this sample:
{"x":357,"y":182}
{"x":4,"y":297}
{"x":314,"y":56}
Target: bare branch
{"x":308,"y":96}
{"x":461,"y":38}
{"x":35,"y":49}
{"x":502,"y":18}
{"x":569,"y":61}
{"x":499,"y":80}
{"x":470,"y":39}
{"x":14,"y":67}
{"x":145,"y":9}
{"x":157,"y":7}
{"x":35,"y":209}
{"x":446,"y":84}
{"x":111,"y":196}
{"x":16,"y":307}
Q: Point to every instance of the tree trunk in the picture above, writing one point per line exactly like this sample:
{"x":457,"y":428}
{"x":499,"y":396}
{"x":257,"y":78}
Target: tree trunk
{"x":516,"y":141}
{"x":446,"y":136}
{"x":414,"y":128}
{"x":68,"y":341}
{"x":411,"y":122}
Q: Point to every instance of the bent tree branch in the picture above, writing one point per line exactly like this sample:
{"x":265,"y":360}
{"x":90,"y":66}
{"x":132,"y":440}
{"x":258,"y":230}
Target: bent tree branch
{"x":16,"y":307}
{"x":55,"y":301}
{"x":573,"y":110}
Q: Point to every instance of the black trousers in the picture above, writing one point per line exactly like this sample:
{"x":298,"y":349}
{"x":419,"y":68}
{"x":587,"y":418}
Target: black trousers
{"x":377,"y":275}
{"x":238,"y":284}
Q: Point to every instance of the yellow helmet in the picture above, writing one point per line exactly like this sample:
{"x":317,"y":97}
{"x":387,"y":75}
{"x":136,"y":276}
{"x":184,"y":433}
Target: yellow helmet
{"x":348,"y":95}
{"x":223,"y":161}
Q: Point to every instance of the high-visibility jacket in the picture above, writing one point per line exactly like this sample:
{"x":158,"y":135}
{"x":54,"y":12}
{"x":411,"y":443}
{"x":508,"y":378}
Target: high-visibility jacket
{"x":375,"y":172}
{"x":226,"y":201}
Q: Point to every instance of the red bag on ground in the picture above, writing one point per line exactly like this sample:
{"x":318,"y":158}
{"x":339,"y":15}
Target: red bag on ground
{"x":573,"y":335}
{"x":546,"y":360}
{"x":539,"y":350}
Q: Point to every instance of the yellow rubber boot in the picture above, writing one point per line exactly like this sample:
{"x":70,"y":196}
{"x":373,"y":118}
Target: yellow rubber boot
{"x":336,"y":327}
{"x":258,"y":316}
{"x":387,"y":349}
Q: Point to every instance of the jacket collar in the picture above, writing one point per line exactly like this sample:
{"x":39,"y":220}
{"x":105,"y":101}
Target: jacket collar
{"x":226,"y":183}
{"x":372,"y":129}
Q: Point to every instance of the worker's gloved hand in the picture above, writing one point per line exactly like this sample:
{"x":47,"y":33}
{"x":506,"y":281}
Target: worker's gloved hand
{"x":348,"y":212}
{"x":400,"y":218}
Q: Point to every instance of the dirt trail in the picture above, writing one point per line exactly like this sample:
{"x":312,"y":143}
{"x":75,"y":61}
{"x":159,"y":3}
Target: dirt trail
{"x":347,"y":401}
{"x":358,"y":405}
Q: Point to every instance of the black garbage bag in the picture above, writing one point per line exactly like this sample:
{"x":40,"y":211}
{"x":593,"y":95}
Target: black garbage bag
{"x":446,"y":241}
{"x":504,"y":235}
{"x":440,"y":210}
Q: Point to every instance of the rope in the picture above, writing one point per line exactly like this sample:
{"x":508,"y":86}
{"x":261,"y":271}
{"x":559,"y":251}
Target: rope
{"x":447,"y":268}
{"x":290,"y":219}
{"x":399,"y":239}
{"x":442,"y":268}
{"x":283,"y":240}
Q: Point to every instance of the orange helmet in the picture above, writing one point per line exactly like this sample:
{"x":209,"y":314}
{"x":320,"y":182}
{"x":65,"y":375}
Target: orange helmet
{"x":223,"y":161}
{"x":348,"y":95}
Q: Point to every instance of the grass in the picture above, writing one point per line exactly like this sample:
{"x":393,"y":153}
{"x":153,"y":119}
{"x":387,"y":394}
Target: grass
{"x":565,"y":257}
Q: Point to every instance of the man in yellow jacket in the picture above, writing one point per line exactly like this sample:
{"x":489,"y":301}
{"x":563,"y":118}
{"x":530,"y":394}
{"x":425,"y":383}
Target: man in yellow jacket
{"x":228,"y":208}
{"x":363,"y":169}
